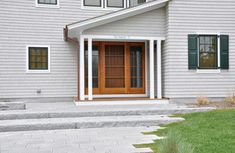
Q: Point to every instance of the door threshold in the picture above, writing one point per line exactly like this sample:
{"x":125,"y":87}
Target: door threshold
{"x":121,"y":101}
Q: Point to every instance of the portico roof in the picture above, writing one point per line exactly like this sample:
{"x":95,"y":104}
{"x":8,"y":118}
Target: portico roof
{"x":76,"y":28}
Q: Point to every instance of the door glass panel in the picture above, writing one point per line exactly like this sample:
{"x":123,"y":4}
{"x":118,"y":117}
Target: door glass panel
{"x":136,"y":67}
{"x":114,"y":66}
{"x":95,"y":65}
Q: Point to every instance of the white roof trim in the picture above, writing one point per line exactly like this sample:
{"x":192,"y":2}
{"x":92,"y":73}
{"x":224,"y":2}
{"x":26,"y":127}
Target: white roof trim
{"x":118,"y":15}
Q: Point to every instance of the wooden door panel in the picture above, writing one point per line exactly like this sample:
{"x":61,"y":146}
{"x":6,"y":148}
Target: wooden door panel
{"x":116,"y":72}
{"x":114,"y":66}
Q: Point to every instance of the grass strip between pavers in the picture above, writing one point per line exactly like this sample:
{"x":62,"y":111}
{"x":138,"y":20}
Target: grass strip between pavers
{"x":207,"y":132}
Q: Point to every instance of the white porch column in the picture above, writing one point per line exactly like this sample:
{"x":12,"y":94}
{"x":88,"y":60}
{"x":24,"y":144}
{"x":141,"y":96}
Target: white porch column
{"x":159,"y":69}
{"x":151,"y":69}
{"x":81,"y":70}
{"x":90,"y":97}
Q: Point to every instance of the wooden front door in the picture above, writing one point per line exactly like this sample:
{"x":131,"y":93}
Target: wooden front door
{"x":118,"y":68}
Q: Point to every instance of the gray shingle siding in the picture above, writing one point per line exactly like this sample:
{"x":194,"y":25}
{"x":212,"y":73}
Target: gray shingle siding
{"x":189,"y":17}
{"x":21,"y":24}
{"x":149,"y":24}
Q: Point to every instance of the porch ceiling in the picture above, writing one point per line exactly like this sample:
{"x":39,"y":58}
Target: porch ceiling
{"x":75,"y":29}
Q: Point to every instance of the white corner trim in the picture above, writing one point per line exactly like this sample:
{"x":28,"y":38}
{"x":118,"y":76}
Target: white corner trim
{"x":48,"y":5}
{"x":27,"y":59}
{"x":209,"y":71}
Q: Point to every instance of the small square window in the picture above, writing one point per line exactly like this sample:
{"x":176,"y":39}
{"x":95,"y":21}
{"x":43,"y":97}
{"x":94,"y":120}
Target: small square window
{"x":38,"y":58}
{"x":50,"y":2}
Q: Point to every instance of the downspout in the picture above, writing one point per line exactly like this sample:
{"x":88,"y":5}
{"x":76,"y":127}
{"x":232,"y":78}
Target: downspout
{"x":76,"y":43}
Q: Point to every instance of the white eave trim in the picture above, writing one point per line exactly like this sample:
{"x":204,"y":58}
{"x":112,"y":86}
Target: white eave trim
{"x":118,"y":15}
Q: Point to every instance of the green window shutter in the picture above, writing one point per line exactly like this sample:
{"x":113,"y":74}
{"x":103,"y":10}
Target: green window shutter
{"x":224,"y":51}
{"x":192,"y":51}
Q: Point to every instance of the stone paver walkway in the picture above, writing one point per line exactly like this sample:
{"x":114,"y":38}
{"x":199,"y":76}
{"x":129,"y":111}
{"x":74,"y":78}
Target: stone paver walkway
{"x":104,"y":140}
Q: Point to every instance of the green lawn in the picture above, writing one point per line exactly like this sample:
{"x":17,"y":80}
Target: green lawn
{"x":209,"y":132}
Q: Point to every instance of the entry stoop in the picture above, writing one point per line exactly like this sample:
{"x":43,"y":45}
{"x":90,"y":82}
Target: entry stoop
{"x":121,"y":101}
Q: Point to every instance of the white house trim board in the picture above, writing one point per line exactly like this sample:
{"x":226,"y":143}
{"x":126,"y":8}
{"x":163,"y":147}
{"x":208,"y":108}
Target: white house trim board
{"x":27,"y":59}
{"x":218,"y":51}
{"x":151,"y":69}
{"x":115,"y":16}
{"x":159,"y":69}
{"x":90,"y":88}
{"x":209,"y":71}
{"x":81,"y":72}
{"x":111,"y":37}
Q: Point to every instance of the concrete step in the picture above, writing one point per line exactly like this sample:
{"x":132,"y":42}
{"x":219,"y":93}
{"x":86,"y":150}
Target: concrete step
{"x":12,"y":106}
{"x":88,"y":112}
{"x":85,"y":122}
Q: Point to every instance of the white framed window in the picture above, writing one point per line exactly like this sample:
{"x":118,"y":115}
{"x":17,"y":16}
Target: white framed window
{"x":47,"y":3}
{"x":208,"y":52}
{"x":115,"y":3}
{"x":37,"y":59}
{"x":110,"y":4}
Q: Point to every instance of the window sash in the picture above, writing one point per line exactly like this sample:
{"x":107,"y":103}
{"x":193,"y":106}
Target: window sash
{"x":122,"y":6}
{"x":106,"y":3}
{"x":204,"y":44}
{"x":92,"y":5}
{"x":49,"y":2}
{"x":38,"y":59}
{"x":137,"y":2}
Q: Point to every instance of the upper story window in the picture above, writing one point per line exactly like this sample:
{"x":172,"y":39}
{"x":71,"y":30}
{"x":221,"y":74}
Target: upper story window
{"x":96,"y":3}
{"x":47,"y":3}
{"x":136,"y":2}
{"x":51,"y":2}
{"x":103,"y":4}
{"x":115,"y":3}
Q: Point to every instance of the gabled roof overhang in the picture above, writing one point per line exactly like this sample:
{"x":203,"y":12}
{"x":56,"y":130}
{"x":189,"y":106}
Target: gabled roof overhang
{"x":75,"y":29}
